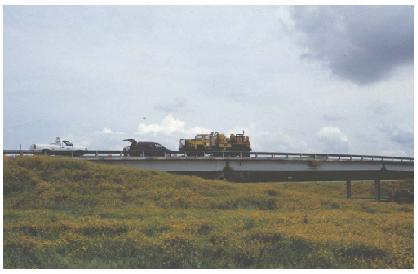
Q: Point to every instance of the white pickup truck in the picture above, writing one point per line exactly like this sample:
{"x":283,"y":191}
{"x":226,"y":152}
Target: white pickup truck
{"x":58,"y":148}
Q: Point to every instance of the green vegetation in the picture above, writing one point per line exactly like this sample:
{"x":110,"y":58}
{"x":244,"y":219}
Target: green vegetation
{"x":63,"y":213}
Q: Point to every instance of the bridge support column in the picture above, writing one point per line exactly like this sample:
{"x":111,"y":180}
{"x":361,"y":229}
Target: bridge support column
{"x":348,"y":184}
{"x":377,"y":189}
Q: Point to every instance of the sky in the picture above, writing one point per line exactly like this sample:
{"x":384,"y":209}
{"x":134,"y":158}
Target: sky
{"x":313,"y":79}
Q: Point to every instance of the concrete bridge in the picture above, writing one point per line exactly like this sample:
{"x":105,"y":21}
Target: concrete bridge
{"x":265,"y":166}
{"x":271,"y":169}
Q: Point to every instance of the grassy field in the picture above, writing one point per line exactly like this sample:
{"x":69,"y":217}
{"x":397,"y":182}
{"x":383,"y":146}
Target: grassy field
{"x":63,"y":213}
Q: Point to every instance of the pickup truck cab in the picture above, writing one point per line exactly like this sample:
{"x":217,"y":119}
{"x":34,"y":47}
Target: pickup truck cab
{"x":59,"y":147}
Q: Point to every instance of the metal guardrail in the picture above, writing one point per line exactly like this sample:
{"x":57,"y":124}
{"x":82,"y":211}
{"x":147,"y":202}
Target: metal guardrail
{"x":279,"y":155}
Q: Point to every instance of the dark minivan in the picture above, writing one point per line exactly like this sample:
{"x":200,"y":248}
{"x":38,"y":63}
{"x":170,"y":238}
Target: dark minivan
{"x":138,"y":149}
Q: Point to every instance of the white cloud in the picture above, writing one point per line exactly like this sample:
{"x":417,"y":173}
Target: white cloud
{"x":333,"y":140}
{"x":332,"y":133}
{"x":169,"y":126}
{"x":108,"y":130}
{"x":278,"y":141}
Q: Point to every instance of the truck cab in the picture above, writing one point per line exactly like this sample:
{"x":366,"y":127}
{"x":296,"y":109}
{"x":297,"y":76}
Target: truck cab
{"x":59,"y":147}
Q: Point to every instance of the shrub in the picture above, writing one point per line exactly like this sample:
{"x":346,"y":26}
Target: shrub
{"x":17,"y":179}
{"x":63,"y":213}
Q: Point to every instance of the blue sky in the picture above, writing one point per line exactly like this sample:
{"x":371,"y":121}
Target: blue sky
{"x":296,"y":79}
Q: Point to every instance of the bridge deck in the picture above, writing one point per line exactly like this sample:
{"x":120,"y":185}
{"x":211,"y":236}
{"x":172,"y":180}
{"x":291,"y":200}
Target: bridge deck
{"x":253,"y":155}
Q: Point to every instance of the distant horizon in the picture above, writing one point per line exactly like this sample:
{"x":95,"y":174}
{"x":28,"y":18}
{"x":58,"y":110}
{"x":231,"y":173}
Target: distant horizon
{"x":303,"y":79}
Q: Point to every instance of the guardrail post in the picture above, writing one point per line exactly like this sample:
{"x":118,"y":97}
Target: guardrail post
{"x":377,"y":189}
{"x":348,"y":183}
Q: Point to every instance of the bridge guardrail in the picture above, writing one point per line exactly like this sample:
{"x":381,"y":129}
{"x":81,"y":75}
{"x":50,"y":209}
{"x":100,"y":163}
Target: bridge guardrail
{"x":279,"y":155}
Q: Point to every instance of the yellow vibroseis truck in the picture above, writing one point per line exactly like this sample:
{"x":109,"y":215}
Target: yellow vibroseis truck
{"x":216,"y":144}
